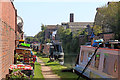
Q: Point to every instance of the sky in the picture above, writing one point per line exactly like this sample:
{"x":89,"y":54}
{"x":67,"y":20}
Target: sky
{"x":52,"y":12}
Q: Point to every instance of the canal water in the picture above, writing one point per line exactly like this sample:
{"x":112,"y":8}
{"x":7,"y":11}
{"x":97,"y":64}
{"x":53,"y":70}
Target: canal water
{"x":70,"y":59}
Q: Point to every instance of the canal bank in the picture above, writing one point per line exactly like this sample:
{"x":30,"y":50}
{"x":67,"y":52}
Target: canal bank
{"x":62,"y":72}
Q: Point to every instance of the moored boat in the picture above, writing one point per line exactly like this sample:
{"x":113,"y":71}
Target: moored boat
{"x":105,"y":64}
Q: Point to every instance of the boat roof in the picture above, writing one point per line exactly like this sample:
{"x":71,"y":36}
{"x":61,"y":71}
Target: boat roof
{"x":24,"y":49}
{"x":114,"y":42}
{"x":103,"y":48}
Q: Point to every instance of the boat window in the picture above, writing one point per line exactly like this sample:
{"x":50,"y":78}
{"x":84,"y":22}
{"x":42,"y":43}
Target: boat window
{"x":97,"y":59}
{"x":115,"y":66}
{"x":82,"y":55}
{"x":89,"y":55}
{"x":104,"y":63}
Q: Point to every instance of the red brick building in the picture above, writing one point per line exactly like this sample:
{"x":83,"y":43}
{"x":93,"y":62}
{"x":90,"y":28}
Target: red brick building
{"x":105,"y":36}
{"x":7,"y":36}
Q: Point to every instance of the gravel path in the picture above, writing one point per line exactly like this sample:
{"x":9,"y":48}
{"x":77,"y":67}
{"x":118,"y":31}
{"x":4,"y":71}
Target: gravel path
{"x":47,"y":72}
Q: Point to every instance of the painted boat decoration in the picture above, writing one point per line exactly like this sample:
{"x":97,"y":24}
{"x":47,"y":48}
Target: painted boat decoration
{"x":21,"y":67}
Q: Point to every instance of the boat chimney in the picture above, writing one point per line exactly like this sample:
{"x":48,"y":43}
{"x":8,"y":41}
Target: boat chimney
{"x":92,"y":39}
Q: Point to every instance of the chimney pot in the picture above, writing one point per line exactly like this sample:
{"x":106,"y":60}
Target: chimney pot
{"x":71,"y":17}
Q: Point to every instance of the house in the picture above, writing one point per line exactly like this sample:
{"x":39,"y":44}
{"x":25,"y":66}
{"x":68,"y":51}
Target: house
{"x":76,"y":26}
{"x":49,"y":30}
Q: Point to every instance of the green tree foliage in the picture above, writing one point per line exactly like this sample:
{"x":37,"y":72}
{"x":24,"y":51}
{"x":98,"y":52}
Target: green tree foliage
{"x":29,"y":39}
{"x":118,"y":28}
{"x":107,"y":17}
{"x":40,"y":37}
{"x":32,"y":39}
{"x":97,"y":29}
{"x":48,"y":41}
{"x":70,"y":40}
{"x":43,"y":28}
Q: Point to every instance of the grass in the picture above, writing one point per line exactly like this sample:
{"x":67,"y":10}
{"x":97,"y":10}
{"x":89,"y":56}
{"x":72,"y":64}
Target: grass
{"x":58,"y":69}
{"x":37,"y":71}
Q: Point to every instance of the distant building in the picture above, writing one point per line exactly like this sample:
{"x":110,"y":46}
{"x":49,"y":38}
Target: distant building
{"x":71,"y":17}
{"x":76,"y":26}
{"x":49,"y":30}
{"x":106,"y":36}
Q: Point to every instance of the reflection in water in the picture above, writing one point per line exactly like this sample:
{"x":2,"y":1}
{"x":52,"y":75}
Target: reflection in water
{"x":70,"y":59}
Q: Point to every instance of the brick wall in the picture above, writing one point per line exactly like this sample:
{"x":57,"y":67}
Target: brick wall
{"x":105,"y":36}
{"x":46,"y":49}
{"x":0,"y":40}
{"x":108,"y":36}
{"x":7,"y":36}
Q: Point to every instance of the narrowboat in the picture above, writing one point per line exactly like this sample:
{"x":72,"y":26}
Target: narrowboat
{"x":55,"y":51}
{"x":25,"y":56}
{"x":104,"y":65}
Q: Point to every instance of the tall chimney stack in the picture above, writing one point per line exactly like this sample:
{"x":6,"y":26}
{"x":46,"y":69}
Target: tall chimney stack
{"x":71,"y":17}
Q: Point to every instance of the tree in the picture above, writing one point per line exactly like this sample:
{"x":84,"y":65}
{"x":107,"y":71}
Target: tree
{"x":70,"y":40}
{"x":43,"y":27}
{"x":107,"y":17}
{"x":60,"y":33}
{"x":40,"y":37}
{"x":29,"y":39}
{"x":48,"y":41}
{"x":97,"y":29}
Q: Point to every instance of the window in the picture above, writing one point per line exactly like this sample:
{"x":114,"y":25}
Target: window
{"x":105,"y":60}
{"x":89,"y":56}
{"x":104,"y":63}
{"x":115,"y":66}
{"x":82,"y":55}
{"x":97,"y":59}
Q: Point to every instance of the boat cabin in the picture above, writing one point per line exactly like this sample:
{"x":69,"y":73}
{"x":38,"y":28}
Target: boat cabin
{"x":105,"y":63}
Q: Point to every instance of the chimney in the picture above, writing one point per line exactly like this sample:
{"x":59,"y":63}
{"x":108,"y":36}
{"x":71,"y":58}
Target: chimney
{"x":71,"y":17}
{"x":92,"y":39}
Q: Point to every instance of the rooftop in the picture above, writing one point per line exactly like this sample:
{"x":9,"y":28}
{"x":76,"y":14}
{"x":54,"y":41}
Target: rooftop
{"x":99,"y":48}
{"x":52,"y":26}
{"x":78,"y":23}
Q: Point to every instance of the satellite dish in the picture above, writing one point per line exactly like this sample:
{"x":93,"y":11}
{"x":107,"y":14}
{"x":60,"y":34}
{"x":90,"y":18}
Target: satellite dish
{"x":20,"y":22}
